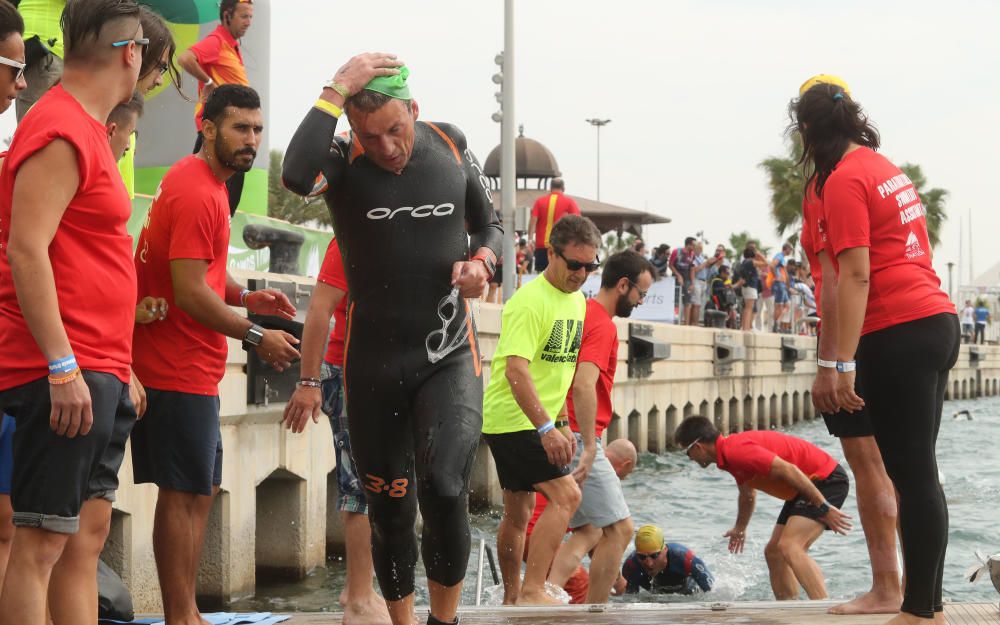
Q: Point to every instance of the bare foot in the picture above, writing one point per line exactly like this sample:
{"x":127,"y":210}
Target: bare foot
{"x":370,"y":610}
{"x":342,"y":600}
{"x":537,"y":598}
{"x":868,"y":603}
{"x":905,"y":618}
{"x":939,"y":618}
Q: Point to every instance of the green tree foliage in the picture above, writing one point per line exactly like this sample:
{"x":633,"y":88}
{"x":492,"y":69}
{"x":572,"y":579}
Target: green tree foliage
{"x":285,"y":205}
{"x":613,"y":242}
{"x":933,"y":200}
{"x":738,"y":242}
{"x":787,"y":183}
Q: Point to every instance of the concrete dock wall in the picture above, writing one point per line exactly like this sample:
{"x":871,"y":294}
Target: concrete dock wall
{"x":275,"y":513}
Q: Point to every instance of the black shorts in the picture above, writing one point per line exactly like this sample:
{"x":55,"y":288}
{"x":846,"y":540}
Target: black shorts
{"x":178,"y":444}
{"x":834,"y":489}
{"x":53,"y":475}
{"x":843,"y":424}
{"x":541,"y":259}
{"x":521,"y":460}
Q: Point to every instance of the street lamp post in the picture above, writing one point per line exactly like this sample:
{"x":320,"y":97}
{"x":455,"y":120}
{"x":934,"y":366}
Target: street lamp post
{"x":951,"y":292}
{"x":597,"y":123}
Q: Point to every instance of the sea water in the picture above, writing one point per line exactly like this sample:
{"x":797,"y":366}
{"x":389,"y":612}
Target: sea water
{"x":695,"y":506}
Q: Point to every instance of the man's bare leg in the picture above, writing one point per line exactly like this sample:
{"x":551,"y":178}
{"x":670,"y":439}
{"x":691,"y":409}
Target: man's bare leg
{"x":33,"y":555}
{"x":564,"y":497}
{"x":401,"y":611}
{"x":73,"y":585}
{"x":877,"y":509}
{"x":362,"y":605}
{"x":444,"y":600}
{"x":517,"y":509}
{"x":783,"y":583}
{"x":202,"y":509}
{"x":605,"y":563}
{"x":570,"y":553}
{"x":6,"y":534}
{"x":178,"y":524}
{"x":800,"y":533}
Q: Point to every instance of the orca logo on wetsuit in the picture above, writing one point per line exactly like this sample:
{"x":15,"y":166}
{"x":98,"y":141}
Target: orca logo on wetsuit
{"x":419,"y":212}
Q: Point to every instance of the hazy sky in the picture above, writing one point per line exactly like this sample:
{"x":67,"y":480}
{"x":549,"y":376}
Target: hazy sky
{"x":697,"y":91}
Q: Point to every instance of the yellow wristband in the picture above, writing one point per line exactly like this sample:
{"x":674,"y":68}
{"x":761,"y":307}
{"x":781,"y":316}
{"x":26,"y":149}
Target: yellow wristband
{"x":329,"y":108}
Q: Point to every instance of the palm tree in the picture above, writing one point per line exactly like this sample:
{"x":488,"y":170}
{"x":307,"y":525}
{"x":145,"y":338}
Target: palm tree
{"x":787,"y":182}
{"x":738,"y":241}
{"x":283,"y":204}
{"x":932,"y":199}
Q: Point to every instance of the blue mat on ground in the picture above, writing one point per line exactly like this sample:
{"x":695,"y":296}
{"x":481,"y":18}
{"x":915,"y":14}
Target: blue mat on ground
{"x":215,"y":618}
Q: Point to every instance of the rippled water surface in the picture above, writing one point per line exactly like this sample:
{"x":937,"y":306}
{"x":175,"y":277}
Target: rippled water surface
{"x":695,"y":506}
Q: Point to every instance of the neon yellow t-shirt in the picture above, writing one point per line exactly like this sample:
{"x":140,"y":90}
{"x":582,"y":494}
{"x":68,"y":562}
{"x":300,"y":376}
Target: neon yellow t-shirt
{"x":41,"y":17}
{"x":126,"y":167}
{"x":545,"y":326}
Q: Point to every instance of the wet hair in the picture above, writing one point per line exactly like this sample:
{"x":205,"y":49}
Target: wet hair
{"x":228,"y":95}
{"x":366,"y":101}
{"x":574,"y":229}
{"x":557,"y":183}
{"x":228,"y":7}
{"x":828,"y":120}
{"x":627,"y":264}
{"x":84,"y":21}
{"x":695,"y":428}
{"x":134,"y":106}
{"x":160,"y":40}
{"x":10,"y":20}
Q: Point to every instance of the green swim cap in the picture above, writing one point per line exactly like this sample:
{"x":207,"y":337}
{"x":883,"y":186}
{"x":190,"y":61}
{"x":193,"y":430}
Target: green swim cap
{"x":392,"y":86}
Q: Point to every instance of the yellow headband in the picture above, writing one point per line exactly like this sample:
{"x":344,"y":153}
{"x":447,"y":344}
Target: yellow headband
{"x":824,"y":79}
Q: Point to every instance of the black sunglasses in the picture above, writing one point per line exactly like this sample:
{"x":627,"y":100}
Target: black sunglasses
{"x":575,"y":265}
{"x":648,"y":556}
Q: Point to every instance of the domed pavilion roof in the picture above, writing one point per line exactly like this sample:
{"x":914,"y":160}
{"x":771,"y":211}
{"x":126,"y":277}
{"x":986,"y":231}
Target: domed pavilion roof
{"x":533,"y":160}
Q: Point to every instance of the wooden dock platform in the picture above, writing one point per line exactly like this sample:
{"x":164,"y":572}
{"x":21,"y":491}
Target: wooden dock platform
{"x":742,"y":613}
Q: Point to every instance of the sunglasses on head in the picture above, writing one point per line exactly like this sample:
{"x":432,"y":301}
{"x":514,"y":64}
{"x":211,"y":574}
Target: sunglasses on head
{"x":575,"y":265}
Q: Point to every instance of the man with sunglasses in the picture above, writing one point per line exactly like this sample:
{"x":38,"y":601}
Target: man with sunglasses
{"x":662,"y":567}
{"x":218,"y":60}
{"x":626,"y":278}
{"x":67,"y":309}
{"x":532,"y":370}
{"x":812,"y":484}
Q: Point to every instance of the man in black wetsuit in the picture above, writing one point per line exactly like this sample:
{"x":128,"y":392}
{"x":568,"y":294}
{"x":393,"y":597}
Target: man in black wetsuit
{"x":406,"y":197}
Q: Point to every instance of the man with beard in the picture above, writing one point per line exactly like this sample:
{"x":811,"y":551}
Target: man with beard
{"x":626,"y":279}
{"x":533,"y":367}
{"x":181,"y":254}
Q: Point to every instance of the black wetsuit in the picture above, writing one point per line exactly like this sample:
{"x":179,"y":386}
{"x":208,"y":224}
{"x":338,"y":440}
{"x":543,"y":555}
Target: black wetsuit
{"x":399,"y":236}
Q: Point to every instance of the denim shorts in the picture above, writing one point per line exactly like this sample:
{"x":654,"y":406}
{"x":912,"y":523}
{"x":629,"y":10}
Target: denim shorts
{"x":352,"y":494}
{"x":780,"y":290}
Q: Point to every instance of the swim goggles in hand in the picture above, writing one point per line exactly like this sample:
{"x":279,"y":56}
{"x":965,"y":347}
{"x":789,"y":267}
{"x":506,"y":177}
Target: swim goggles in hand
{"x":438,"y":343}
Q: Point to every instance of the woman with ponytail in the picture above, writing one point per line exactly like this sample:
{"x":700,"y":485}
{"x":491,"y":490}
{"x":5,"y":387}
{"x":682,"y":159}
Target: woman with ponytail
{"x":891,"y":313}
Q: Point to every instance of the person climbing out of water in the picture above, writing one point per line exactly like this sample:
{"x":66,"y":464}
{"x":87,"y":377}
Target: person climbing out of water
{"x":811,"y":482}
{"x":406,"y":199}
{"x":662,"y":567}
{"x":892,"y":316}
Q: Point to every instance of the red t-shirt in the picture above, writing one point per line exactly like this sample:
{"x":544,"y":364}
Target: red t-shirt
{"x":189,"y":219}
{"x":220,"y":57}
{"x":814,"y":238}
{"x":332,"y":273}
{"x":599,"y":346}
{"x":549,"y":209}
{"x":91,"y":252}
{"x":869,"y":202}
{"x":748,"y":457}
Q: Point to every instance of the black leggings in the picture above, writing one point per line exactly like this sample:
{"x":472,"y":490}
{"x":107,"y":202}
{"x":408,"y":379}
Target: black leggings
{"x":905,"y":368}
{"x":404,"y":412}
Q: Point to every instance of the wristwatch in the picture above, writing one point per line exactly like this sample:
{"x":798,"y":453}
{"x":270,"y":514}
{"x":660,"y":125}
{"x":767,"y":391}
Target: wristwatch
{"x":253,"y":337}
{"x":491,"y":267}
{"x":336,"y":86}
{"x":824,"y":508}
{"x":847,"y":367}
